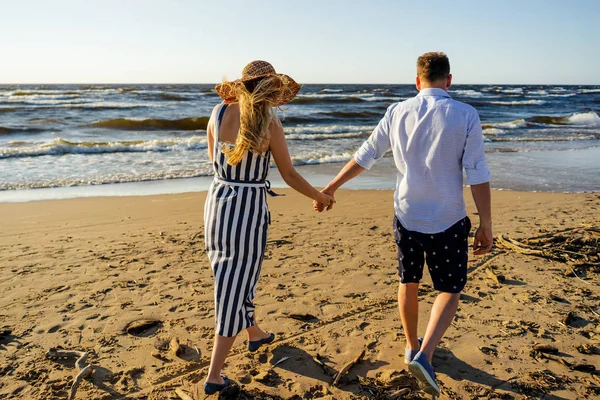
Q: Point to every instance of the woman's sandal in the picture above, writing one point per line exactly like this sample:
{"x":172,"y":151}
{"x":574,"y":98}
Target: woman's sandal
{"x":255,"y":345}
{"x":212,"y":388}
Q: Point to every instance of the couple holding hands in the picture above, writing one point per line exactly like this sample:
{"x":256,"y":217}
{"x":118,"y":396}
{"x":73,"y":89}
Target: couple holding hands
{"x":432,"y":138}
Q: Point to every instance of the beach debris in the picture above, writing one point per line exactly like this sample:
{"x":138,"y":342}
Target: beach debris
{"x":545,"y":348}
{"x":320,"y":360}
{"x":269,"y":377}
{"x":159,"y":356}
{"x":83,"y":370}
{"x":175,"y":348}
{"x":569,"y":318}
{"x":347,"y":367}
{"x":558,"y":299}
{"x":143,"y":327}
{"x":183,"y":395}
{"x":490,"y":351}
{"x":541,"y":382}
{"x":303,"y":317}
{"x":495,"y":277}
{"x":587,"y":349}
{"x":581,"y":367}
{"x":390,"y":385}
{"x":577,"y":247}
{"x":282,"y":359}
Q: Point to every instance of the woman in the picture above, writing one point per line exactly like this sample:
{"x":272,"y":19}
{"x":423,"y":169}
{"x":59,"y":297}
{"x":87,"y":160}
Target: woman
{"x":243,"y":133}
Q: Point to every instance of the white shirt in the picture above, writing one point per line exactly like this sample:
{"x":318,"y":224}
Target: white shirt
{"x":432,"y":138}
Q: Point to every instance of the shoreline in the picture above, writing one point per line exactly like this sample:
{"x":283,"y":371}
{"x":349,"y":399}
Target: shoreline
{"x":510,"y":172}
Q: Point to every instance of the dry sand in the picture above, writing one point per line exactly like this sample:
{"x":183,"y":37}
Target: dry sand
{"x":75,"y":273}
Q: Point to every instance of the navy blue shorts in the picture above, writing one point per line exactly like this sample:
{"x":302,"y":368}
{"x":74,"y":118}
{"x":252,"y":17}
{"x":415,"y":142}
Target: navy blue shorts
{"x":446,"y":253}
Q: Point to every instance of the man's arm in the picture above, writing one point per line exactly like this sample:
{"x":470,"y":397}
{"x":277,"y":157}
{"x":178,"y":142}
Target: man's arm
{"x":372,"y":150}
{"x":484,"y":238}
{"x":350,"y":170}
{"x":478,"y":176}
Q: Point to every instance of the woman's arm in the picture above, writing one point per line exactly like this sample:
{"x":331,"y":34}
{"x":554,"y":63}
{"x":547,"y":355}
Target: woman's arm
{"x":281,"y":155}
{"x":210,"y":133}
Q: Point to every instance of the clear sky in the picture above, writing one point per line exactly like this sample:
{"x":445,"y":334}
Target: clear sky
{"x":315,"y":41}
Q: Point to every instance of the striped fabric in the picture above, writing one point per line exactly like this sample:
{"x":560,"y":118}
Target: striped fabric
{"x":236,"y":219}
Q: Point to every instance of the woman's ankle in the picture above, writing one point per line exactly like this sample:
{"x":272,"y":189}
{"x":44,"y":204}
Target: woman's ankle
{"x":215,"y":379}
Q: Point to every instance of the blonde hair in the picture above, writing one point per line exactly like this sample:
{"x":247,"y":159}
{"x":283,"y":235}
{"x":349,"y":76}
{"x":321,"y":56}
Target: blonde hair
{"x":256,"y":99}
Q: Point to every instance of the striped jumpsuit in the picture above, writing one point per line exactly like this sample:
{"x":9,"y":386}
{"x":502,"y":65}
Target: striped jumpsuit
{"x":236,"y":219}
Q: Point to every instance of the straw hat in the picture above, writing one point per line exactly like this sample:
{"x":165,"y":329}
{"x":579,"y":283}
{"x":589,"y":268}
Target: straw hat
{"x":260,"y":69}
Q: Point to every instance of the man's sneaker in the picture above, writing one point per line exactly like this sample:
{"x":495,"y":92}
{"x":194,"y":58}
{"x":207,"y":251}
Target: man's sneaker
{"x":423,"y":371}
{"x":409,"y":354}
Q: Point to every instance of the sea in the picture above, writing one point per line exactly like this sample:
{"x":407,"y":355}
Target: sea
{"x":61,"y":141}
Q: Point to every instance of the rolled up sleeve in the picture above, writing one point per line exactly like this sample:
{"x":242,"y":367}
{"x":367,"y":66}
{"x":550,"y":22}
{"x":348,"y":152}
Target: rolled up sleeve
{"x":374,"y":148}
{"x":474,"y":161}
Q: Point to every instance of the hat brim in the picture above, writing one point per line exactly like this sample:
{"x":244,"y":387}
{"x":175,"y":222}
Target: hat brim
{"x":289,"y":91}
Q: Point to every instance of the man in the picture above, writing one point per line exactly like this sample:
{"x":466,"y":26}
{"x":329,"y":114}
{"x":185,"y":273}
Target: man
{"x":432,"y":138}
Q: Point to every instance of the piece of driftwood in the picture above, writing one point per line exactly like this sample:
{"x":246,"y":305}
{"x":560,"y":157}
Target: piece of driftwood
{"x":572,"y":366}
{"x":545,"y":348}
{"x":346,"y":368}
{"x":578,"y":246}
{"x":183,"y":395}
{"x":84,"y":370}
{"x":175,"y":347}
{"x":326,"y":369}
{"x":495,"y":277}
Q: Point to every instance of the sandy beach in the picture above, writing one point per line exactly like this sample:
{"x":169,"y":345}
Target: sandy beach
{"x":120,"y":277}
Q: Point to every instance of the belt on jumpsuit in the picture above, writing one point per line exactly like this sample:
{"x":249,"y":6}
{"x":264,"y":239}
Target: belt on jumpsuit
{"x":234,"y":183}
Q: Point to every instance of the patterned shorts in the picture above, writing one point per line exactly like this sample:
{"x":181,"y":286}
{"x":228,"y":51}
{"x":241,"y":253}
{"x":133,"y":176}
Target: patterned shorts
{"x":446,"y":253}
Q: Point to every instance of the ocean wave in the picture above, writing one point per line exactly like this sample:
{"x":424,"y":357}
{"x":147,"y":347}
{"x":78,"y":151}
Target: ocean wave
{"x":349,"y":114}
{"x":327,"y":136}
{"x":184,"y":124}
{"x":311,"y":100}
{"x":588,"y":91}
{"x":12,"y":130}
{"x":500,"y":89}
{"x":108,"y":179}
{"x":321,"y":157}
{"x":60,"y":147}
{"x":467,"y":92}
{"x":519,"y":123}
{"x":173,"y":97}
{"x":518,"y":103}
{"x":569,"y":138}
{"x":589,"y":118}
{"x":327,"y":90}
{"x":538,"y":92}
{"x":331,"y":129}
{"x":9,"y":109}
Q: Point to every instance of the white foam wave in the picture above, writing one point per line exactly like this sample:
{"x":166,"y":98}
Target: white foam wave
{"x":540,"y":92}
{"x":61,"y":147}
{"x":321,"y":157}
{"x":332,"y":90}
{"x":519,"y":123}
{"x":597,"y":90}
{"x":467,"y":92}
{"x":519,"y":102}
{"x":493,"y":131}
{"x":324,"y":136}
{"x":587,"y":119}
{"x":316,"y":129}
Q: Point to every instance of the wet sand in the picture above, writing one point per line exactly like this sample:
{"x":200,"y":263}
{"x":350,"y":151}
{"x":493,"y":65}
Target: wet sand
{"x":119,"y":277}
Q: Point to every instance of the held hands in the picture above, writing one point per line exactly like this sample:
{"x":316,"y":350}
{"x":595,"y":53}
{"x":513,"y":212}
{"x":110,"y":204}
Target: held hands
{"x":483,"y":240}
{"x":324,"y":202}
